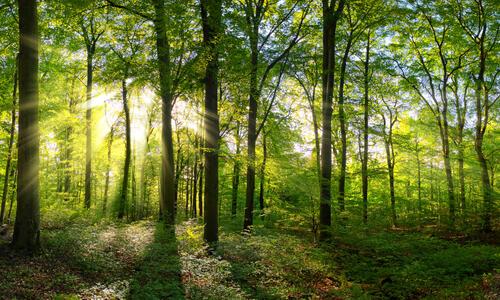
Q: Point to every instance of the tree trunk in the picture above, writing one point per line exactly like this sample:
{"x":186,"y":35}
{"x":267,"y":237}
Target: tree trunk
{"x":134,"y":209}
{"x":330,"y":19}
{"x":27,"y":225}
{"x":366,"y":107}
{"x":419,"y":182}
{"x":447,"y":160}
{"x":187,"y":181}
{"x":11,"y":143}
{"x":195,"y":188}
{"x":12,"y":193}
{"x":88,"y":127}
{"x":389,"y":151}
{"x":236,"y":173}
{"x":211,"y":14}
{"x":482,"y":110}
{"x":128,"y":152}
{"x":390,"y":169}
{"x":200,"y":190}
{"x":108,"y":167}
{"x":343,"y":129}
{"x":263,"y":173}
{"x":252,"y":128}
{"x":167,"y":180}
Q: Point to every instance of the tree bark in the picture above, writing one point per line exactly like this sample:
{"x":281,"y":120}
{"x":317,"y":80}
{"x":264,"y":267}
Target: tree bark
{"x":167,"y":193}
{"x":128,"y":152}
{"x":419,"y":180}
{"x":343,"y":129}
{"x":108,"y":170}
{"x":88,"y":130}
{"x":211,"y":14}
{"x":252,"y":128}
{"x":390,"y":157}
{"x":236,"y":172}
{"x":330,"y":19}
{"x":263,"y":173}
{"x":27,"y":225}
{"x":366,"y":107}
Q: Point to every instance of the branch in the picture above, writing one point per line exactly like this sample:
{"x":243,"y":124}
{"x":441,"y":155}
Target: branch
{"x":284,"y":54}
{"x":271,"y":104}
{"x":135,"y":12}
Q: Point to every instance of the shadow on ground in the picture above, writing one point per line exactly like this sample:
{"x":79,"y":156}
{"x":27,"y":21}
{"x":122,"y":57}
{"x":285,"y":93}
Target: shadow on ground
{"x":158,"y":276}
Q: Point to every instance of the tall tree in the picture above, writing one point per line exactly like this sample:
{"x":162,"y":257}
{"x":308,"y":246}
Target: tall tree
{"x":366,"y":110}
{"x":482,"y":30}
{"x":167,"y":198}
{"x":389,"y":114}
{"x":236,"y":170}
{"x":434,"y":66}
{"x":255,"y":14}
{"x":27,"y":226}
{"x":331,"y":15}
{"x":211,"y":15}
{"x":90,"y":32}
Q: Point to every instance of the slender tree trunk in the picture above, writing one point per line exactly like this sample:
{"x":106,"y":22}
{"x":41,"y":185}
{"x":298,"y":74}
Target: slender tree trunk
{"x":167,"y":178}
{"x":447,"y":160}
{"x":188,"y":180}
{"x":236,"y":173}
{"x":252,"y":128}
{"x":11,"y":144}
{"x":419,"y":181}
{"x":390,"y":169}
{"x":27,"y":225}
{"x":178,"y":171}
{"x":12,"y":194}
{"x":389,"y":151}
{"x":134,"y":210}
{"x":108,"y":170}
{"x":330,"y":19}
{"x":343,"y":129}
{"x":128,"y":152}
{"x":200,"y":190}
{"x":482,"y":110}
{"x":211,"y":14}
{"x":263,"y":173}
{"x":366,"y":107}
{"x":88,"y":127}
{"x":195,"y":188}
{"x":67,"y":164}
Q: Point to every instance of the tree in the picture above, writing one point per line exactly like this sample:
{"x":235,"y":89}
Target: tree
{"x":255,"y":15}
{"x":91,"y":33}
{"x":389,"y":114}
{"x":331,"y":15}
{"x":433,"y":70}
{"x":366,"y":110}
{"x":236,"y":170}
{"x":27,"y":226}
{"x":480,"y":30}
{"x":211,"y":14}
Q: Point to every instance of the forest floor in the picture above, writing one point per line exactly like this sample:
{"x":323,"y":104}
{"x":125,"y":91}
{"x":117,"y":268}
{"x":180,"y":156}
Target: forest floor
{"x":144,"y":260}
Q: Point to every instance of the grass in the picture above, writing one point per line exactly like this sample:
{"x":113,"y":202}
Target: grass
{"x":145,"y":260}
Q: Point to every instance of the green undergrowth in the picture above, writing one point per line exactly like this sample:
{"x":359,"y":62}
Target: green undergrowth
{"x":395,"y":265}
{"x":147,"y":260}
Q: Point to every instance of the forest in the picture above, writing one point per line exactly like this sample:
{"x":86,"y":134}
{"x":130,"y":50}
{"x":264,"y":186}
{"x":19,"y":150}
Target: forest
{"x":249,"y":149}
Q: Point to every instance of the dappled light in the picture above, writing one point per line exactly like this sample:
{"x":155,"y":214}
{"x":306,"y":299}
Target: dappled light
{"x":250,"y":149}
